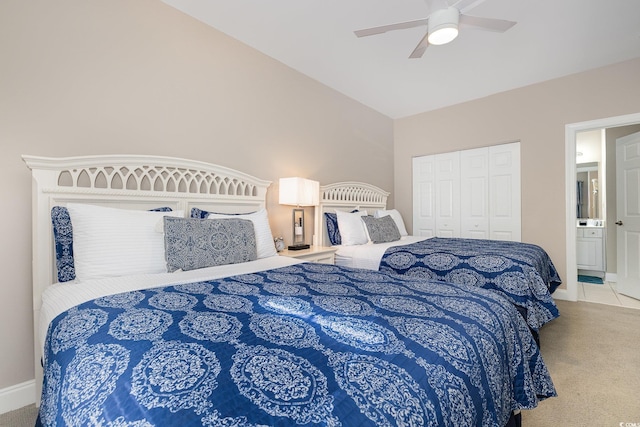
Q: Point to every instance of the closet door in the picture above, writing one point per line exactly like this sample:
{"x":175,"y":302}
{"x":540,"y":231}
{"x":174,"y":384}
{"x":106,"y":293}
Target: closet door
{"x":474,"y":193}
{"x":504,"y":192}
{"x":424,"y":196}
{"x":447,"y":185}
{"x":471,"y":193}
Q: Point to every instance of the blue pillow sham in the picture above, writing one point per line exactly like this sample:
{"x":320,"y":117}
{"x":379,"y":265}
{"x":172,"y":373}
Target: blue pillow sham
{"x":201,"y":214}
{"x":333,"y":232}
{"x":381,"y":230}
{"x":331,"y":220}
{"x":193,"y":243}
{"x":63,"y":240}
{"x":198,"y":213}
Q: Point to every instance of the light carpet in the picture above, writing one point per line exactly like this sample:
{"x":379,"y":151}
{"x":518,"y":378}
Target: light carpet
{"x":592,"y":353}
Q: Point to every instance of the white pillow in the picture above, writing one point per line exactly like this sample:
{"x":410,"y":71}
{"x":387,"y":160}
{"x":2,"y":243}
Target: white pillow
{"x":110,"y":242}
{"x":397,"y":218}
{"x":352,"y":229}
{"x":265,"y":246}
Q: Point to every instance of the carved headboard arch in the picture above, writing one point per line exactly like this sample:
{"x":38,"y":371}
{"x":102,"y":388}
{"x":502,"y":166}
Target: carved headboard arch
{"x":155,"y":174}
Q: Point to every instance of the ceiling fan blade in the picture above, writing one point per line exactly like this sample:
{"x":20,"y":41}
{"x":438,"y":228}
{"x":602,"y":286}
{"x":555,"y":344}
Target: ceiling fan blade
{"x":420,"y":48}
{"x":489,"y":24}
{"x":465,"y":5}
{"x":391,"y":27}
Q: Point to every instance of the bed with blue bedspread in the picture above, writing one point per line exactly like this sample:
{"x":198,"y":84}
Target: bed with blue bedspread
{"x":353,"y":218}
{"x":521,"y":272}
{"x":305,"y":344}
{"x":160,"y":320}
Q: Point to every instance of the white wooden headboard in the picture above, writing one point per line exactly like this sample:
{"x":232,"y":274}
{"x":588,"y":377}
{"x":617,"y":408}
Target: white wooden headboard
{"x":346,"y":196}
{"x":131,"y":182}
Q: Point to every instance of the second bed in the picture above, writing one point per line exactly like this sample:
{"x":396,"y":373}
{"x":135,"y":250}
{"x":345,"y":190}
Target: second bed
{"x":521,"y":272}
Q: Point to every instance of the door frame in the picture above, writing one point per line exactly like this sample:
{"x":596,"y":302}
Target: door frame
{"x":571,"y":292}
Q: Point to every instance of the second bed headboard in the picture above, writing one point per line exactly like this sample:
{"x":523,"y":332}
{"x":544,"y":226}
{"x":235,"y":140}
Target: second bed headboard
{"x":346,"y":196}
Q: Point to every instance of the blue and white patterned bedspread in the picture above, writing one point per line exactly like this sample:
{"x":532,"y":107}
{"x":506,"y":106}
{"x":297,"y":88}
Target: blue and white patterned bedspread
{"x":308,"y":344}
{"x":522,"y":272}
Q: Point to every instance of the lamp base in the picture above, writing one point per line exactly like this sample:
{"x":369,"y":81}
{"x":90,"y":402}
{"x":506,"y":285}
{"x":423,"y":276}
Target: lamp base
{"x":298,"y":247}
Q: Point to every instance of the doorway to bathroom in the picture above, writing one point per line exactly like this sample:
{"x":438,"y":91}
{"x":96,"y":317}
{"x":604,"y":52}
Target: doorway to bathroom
{"x":591,"y":202}
{"x":598,"y":213}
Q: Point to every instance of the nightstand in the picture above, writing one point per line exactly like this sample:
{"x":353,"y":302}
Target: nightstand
{"x":317,"y":254}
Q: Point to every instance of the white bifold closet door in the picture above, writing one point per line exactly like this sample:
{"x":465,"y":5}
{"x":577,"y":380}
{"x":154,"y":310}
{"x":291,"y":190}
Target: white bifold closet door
{"x":436,"y":195}
{"x":474,"y":190}
{"x":504,"y":192}
{"x":469,"y":193}
{"x":447,"y":204}
{"x":424,"y":196}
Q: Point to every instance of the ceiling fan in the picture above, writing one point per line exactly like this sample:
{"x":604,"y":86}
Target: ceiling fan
{"x":443,"y":19}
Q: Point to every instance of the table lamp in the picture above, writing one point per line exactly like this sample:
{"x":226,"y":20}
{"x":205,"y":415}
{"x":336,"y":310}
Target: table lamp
{"x":299,"y":192}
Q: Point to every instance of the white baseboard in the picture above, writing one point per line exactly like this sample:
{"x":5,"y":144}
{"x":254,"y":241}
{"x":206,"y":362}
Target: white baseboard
{"x":17,"y":396}
{"x":611,"y":277}
{"x":561,"y":294}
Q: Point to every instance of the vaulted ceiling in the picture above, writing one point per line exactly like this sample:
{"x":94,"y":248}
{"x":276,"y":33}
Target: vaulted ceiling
{"x":552,"y":38}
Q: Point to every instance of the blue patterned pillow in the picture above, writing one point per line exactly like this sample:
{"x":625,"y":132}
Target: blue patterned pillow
{"x":331,"y":219}
{"x":198,"y":213}
{"x":63,"y":240}
{"x":192,"y":243}
{"x":333,"y":232}
{"x":381,"y":230}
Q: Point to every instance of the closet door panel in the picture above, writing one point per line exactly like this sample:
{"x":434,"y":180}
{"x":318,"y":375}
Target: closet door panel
{"x":447,"y":177}
{"x":424,"y":222}
{"x":504,"y":192}
{"x":474,"y":193}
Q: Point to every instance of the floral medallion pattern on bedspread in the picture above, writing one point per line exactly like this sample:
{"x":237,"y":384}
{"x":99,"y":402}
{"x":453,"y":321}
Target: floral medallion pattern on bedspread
{"x":308,"y":344}
{"x":521,"y":272}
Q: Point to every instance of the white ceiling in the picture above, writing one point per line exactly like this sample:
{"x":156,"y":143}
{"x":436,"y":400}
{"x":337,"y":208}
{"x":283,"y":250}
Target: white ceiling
{"x":552,"y":38}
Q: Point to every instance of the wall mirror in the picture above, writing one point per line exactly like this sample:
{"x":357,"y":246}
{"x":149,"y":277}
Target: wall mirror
{"x":590,"y":175}
{"x":589,"y":204}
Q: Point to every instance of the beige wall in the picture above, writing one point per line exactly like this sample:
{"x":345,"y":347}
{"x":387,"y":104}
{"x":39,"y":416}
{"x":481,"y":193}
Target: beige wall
{"x":535,"y":115}
{"x":120,"y":76}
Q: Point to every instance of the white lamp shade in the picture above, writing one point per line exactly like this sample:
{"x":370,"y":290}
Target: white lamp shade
{"x":299,"y":192}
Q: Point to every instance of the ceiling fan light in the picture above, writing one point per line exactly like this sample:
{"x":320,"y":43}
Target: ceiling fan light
{"x":443,"y":26}
{"x":443,"y":35}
